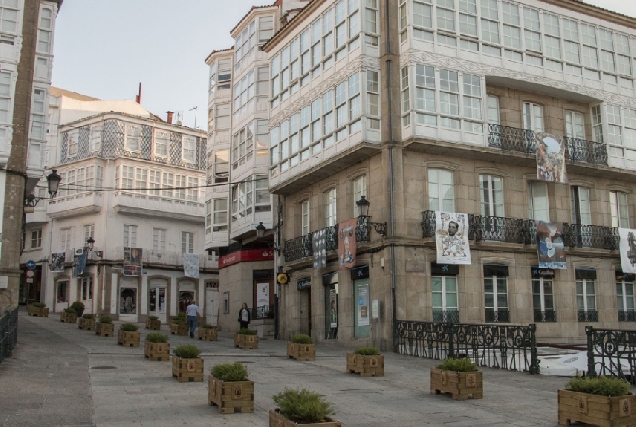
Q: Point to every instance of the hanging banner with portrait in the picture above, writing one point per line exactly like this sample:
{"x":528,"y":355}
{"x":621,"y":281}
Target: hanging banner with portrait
{"x":627,"y":249}
{"x":57,"y":262}
{"x":319,"y":245}
{"x":132,"y":261}
{"x":191,"y":265}
{"x":347,"y":244}
{"x":550,"y":158}
{"x":550,"y":245}
{"x":451,"y":238}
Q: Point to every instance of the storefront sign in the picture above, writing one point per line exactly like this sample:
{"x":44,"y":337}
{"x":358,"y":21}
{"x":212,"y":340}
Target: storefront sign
{"x":248,"y":255}
{"x":304,"y":283}
{"x":542,"y":272}
{"x":444,"y":269}
{"x":361,"y":272}
{"x":363,"y":304}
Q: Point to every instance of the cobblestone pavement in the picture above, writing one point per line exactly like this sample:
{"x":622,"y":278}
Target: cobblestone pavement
{"x":57,"y":378}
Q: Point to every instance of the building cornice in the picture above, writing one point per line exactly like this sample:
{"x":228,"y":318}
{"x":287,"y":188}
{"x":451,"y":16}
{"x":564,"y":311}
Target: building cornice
{"x":234,"y":32}
{"x":311,"y":7}
{"x":218,"y":53}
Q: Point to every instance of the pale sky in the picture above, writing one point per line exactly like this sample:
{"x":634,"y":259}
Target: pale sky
{"x":105,"y":48}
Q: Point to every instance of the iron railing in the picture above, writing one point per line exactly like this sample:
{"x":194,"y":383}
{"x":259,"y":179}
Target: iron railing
{"x":9,"y":333}
{"x":497,"y":316}
{"x":611,"y":352}
{"x":362,"y":229}
{"x":580,"y":150}
{"x":445,"y":316}
{"x":297,"y":248}
{"x":263,"y":312}
{"x":301,"y":247}
{"x":499,"y":229}
{"x":496,"y":346}
{"x":591,"y":236}
{"x":545,"y":316}
{"x":428,"y":224}
{"x":626,"y":316}
{"x":512,"y":139}
{"x":332,"y":238}
{"x":587,"y":316}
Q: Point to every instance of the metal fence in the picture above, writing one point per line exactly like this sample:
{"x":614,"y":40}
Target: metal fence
{"x":611,"y":352}
{"x":495,"y":346}
{"x":9,"y":331}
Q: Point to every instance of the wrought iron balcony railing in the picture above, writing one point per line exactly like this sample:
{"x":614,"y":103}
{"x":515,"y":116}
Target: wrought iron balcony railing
{"x":428,"y":224}
{"x":545,"y":316}
{"x":591,"y":236}
{"x":362,"y":229}
{"x":497,"y":316}
{"x":499,"y":229}
{"x":626,"y":316}
{"x":588,"y":316}
{"x":445,"y":316}
{"x":523,"y":140}
{"x":297,"y":248}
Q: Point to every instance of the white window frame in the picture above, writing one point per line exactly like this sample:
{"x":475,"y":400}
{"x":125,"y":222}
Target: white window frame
{"x":130,"y":236}
{"x":491,"y":207}
{"x":159,"y":239}
{"x":187,"y":242}
{"x":441,"y":202}
{"x":541,"y":281}
{"x":359,"y":190}
{"x":219,"y":208}
{"x":330,"y":207}
{"x":444,"y":293}
{"x":133,"y":137}
{"x":304,"y":208}
{"x":533,"y":117}
{"x":162,"y":143}
{"x":495,"y":293}
{"x":619,"y":208}
{"x":36,"y":238}
{"x":622,"y":297}
{"x":582,"y":295}
{"x":532,"y":205}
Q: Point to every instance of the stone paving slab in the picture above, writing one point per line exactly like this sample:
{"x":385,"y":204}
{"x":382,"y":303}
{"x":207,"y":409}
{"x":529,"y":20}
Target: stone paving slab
{"x":143,"y":393}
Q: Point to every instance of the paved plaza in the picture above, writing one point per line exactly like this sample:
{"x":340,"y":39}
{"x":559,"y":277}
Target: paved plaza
{"x":57,"y":378}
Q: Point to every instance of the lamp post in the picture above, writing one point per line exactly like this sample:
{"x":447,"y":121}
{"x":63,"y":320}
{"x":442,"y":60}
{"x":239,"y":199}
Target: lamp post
{"x":364,"y":217}
{"x":53,"y":181}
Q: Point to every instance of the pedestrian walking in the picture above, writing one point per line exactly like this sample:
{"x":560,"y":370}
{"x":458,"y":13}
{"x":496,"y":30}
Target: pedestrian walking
{"x":244,"y":316}
{"x":192,"y":313}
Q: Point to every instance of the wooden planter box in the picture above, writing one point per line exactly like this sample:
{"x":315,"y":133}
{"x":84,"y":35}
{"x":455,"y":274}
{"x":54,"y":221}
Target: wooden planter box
{"x":246,"y":341}
{"x":187,"y":370}
{"x":277,"y":420}
{"x":105,"y":329}
{"x":180,"y":329}
{"x":68,"y":317}
{"x":128,"y":338}
{"x":366,"y":366}
{"x":230,"y":397}
{"x":207,"y":334}
{"x":86,"y":324}
{"x":157,"y":351}
{"x":301,"y":351}
{"x":37,"y":311}
{"x":597,"y":410}
{"x":459,"y":384}
{"x":154,"y":325}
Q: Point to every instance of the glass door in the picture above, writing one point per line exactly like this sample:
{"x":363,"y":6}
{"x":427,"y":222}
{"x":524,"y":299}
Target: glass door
{"x":157,"y":301}
{"x":86,"y":289}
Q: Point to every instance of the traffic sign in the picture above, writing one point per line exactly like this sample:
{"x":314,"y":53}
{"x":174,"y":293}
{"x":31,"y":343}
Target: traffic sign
{"x":30,"y":264}
{"x":29,"y":280}
{"x":30,"y":273}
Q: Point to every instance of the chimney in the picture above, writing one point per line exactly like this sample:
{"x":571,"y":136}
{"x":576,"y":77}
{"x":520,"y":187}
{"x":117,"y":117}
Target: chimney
{"x":170,"y":114}
{"x":138,"y":97}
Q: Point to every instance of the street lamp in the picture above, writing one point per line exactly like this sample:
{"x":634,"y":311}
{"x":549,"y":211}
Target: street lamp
{"x":260,"y":230}
{"x":53,"y":181}
{"x":90,"y":242}
{"x":364,"y":218}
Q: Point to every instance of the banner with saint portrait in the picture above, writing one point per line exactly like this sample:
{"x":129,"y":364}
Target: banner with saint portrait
{"x":550,"y":158}
{"x":627,"y":249}
{"x":550,"y":245}
{"x":347,"y":244}
{"x":451,"y":238}
{"x":132,"y":261}
{"x":56,"y":264}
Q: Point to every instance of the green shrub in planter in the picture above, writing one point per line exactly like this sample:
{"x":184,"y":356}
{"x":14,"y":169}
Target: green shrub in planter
{"x":229,"y":372}
{"x":77,"y":304}
{"x":38,"y":305}
{"x":156,"y":337}
{"x":367,"y":351}
{"x":70,"y":310}
{"x":457,"y":365}
{"x":208,"y":326}
{"x":128,"y":327}
{"x":245,"y":331}
{"x":187,"y":352}
{"x":88,"y":316}
{"x":153,"y":318}
{"x":602,"y":386}
{"x":105,"y":319}
{"x":301,"y":339}
{"x":303,"y":406}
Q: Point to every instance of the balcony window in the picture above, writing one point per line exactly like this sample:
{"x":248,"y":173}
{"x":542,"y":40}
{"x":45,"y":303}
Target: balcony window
{"x":133,"y":137}
{"x":619,"y":209}
{"x":586,"y":295}
{"x":441,"y":195}
{"x":533,"y":117}
{"x":574,"y":125}
{"x":162,"y":142}
{"x":305,"y":218}
{"x":158,"y":239}
{"x":359,"y":190}
{"x":36,"y":239}
{"x":538,"y":201}
{"x":625,"y":298}
{"x":219,"y":214}
{"x":221,"y":166}
{"x":65,"y":239}
{"x":496,"y":293}
{"x":187,"y":242}
{"x":543,"y":299}
{"x":130,"y":236}
{"x":581,"y":211}
{"x":330,"y":208}
{"x":444,"y":297}
{"x":491,"y":191}
{"x":493,"y":110}
{"x":89,"y":231}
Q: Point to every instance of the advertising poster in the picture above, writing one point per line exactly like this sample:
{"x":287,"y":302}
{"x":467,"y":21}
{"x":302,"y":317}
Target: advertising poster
{"x":550,"y":158}
{"x":191,"y":265}
{"x":333,"y":303}
{"x":347,"y":244}
{"x":57,"y":262}
{"x":363,"y":305}
{"x":451,"y":238}
{"x":262,"y":297}
{"x":627,"y":249}
{"x":132,"y":261}
{"x":319,"y":243}
{"x":550,"y":245}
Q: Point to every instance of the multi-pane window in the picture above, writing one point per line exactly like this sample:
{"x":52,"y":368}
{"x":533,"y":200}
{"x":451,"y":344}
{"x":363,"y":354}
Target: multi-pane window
{"x":5,"y":96}
{"x":154,"y":182}
{"x":9,"y":14}
{"x":89,"y":231}
{"x":36,"y":239}
{"x":406,"y":101}
{"x":511,"y":26}
{"x":192,"y":192}
{"x":208,"y":217}
{"x":162,"y":142}
{"x":72,"y":143}
{"x":187,"y":242}
{"x":489,"y":21}
{"x":265,"y":29}
{"x":262,"y":199}
{"x":597,"y":124}
{"x":441,"y":195}
{"x":538,"y":201}
{"x":586,"y":299}
{"x":371,"y":26}
{"x":543,"y":299}
{"x":581,"y":211}
{"x":244,"y":92}
{"x":446,"y":15}
{"x":65,"y":239}
{"x":95,"y":138}
{"x":444,"y":293}
{"x":330,"y":208}
{"x":619,"y":209}
{"x":45,"y":33}
{"x":133,"y":137}
{"x":425,"y":89}
{"x":574,"y":125}
{"x":167,"y":179}
{"x":219,"y":214}
{"x":38,"y":114}
{"x":221,"y":166}
{"x":243,"y":145}
{"x":491,"y":191}
{"x":130,"y":236}
{"x":625,"y":298}
{"x":304,"y":218}
{"x":496,"y":298}
{"x":242,"y":203}
{"x":158,"y":239}
{"x":373,"y":99}
{"x":359,"y":190}
{"x":532,"y":29}
{"x":179,"y":187}
{"x":493,"y":110}
{"x":141,"y":180}
{"x":127,"y":177}
{"x":533,"y":116}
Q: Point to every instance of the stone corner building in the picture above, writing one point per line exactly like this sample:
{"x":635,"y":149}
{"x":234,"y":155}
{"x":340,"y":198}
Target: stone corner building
{"x":429,"y":105}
